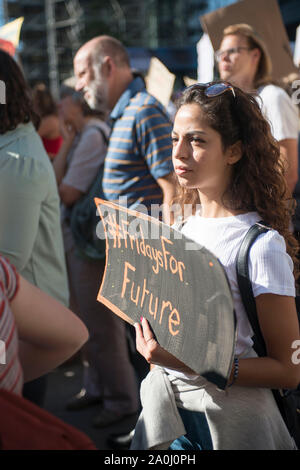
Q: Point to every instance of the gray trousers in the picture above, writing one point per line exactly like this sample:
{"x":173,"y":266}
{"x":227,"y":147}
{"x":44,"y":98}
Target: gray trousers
{"x":108,"y":371}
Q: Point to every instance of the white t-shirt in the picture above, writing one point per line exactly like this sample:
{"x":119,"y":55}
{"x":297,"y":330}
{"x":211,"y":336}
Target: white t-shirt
{"x":280,"y":111}
{"x":270,"y":267}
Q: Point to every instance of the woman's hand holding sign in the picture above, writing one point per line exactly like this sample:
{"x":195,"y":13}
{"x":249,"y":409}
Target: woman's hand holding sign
{"x":150,"y":349}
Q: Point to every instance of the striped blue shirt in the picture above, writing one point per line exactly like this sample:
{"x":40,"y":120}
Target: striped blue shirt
{"x":140,"y":148}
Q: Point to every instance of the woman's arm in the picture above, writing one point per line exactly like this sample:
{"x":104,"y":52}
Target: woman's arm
{"x":280,"y":328}
{"x":279,"y":324}
{"x":49,"y":333}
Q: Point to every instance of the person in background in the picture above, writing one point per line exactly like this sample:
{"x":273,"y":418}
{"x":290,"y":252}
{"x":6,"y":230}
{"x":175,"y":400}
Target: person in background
{"x":243,"y":60}
{"x":39,"y":332}
{"x":30,"y":236}
{"x":138,"y":166}
{"x":140,"y":125}
{"x":106,"y":378}
{"x":49,"y":127}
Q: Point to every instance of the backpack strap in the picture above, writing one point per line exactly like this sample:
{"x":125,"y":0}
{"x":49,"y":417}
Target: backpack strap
{"x":102,"y":132}
{"x":245,"y":285}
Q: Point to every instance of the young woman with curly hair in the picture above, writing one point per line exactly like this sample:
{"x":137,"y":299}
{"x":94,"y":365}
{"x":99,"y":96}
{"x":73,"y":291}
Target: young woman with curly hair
{"x":226,"y":160}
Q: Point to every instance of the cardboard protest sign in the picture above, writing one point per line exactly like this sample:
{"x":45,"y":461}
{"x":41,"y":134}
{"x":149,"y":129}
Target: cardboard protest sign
{"x":188,"y":81}
{"x":151,"y":271}
{"x":206,"y":60}
{"x":10,"y":35}
{"x":160,"y":81}
{"x":265,"y":17}
{"x":297,"y":48}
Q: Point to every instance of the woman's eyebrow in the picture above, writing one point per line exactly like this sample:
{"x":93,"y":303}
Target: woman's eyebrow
{"x":195,"y":132}
{"x":192,"y":132}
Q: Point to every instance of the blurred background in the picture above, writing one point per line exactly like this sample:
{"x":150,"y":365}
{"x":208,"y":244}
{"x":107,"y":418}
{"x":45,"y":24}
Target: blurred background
{"x":53,"y":30}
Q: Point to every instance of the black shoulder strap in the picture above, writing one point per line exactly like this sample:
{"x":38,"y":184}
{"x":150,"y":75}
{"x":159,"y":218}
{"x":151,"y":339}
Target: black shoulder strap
{"x":245,"y":286}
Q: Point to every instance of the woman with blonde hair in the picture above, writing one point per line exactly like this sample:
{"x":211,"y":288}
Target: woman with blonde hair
{"x":244,"y":60}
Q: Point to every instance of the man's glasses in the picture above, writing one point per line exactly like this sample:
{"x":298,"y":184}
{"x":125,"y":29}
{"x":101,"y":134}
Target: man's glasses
{"x":233,"y":50}
{"x":212,"y":89}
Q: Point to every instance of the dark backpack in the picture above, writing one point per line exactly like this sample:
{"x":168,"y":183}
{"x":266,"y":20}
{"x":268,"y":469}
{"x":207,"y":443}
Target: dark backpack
{"x":288,"y":401}
{"x":84,"y":219}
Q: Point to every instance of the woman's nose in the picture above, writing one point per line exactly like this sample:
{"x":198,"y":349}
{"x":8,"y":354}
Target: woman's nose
{"x":180,"y":150}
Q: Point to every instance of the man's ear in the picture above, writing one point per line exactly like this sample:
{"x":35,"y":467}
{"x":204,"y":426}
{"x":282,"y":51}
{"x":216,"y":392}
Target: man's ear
{"x":235,"y":153}
{"x":107,"y":66}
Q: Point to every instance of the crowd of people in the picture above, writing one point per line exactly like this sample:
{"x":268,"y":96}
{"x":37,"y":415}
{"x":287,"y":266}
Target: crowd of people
{"x":232,"y":150}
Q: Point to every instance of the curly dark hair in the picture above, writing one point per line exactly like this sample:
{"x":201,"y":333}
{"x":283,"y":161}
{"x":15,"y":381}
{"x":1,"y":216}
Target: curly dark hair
{"x":258,"y":182}
{"x":18,"y":107}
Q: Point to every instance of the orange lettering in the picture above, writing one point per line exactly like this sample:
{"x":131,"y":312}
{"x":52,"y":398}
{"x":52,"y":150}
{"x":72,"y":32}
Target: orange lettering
{"x":145,"y":291}
{"x":137,"y":294}
{"x":180,"y":267}
{"x":165,"y":252}
{"x":164,"y":305}
{"x":148,"y":251}
{"x":150,"y":305}
{"x":126,"y":280}
{"x":173,"y":260}
{"x":175,"y":321}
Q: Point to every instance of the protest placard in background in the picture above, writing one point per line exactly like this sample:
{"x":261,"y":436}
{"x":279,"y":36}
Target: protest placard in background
{"x":188,"y":81}
{"x":10,"y":35}
{"x":297,"y":48}
{"x":265,"y":17}
{"x":205,"y":52}
{"x":152,"y":272}
{"x":160,"y":81}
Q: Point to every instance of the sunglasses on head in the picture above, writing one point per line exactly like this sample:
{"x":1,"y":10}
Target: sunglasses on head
{"x":212,"y":90}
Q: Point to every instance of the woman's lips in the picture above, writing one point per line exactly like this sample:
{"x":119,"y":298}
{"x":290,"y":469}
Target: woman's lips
{"x":180,"y":170}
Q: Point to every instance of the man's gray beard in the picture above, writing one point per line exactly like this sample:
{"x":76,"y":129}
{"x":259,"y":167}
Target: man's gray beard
{"x":98,"y":98}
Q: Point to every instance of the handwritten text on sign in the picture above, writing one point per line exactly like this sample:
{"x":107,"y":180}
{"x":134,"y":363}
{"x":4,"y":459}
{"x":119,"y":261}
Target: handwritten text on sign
{"x":183,"y":294}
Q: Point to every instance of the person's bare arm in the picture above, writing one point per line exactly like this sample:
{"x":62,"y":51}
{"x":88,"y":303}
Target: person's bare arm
{"x":280,"y":328}
{"x":60,"y":161}
{"x":279,"y":324}
{"x":289,"y":154}
{"x":68,"y":194}
{"x":49,"y":333}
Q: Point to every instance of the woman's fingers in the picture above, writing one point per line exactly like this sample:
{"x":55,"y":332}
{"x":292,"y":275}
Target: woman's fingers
{"x":147,"y":332}
{"x":145,"y":342}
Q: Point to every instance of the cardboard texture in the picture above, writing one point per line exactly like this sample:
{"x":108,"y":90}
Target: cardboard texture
{"x":205,"y":52}
{"x":188,"y":81}
{"x":160,"y":81}
{"x":265,"y":17}
{"x":10,"y":35}
{"x":183,"y":293}
{"x":297,"y":48}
